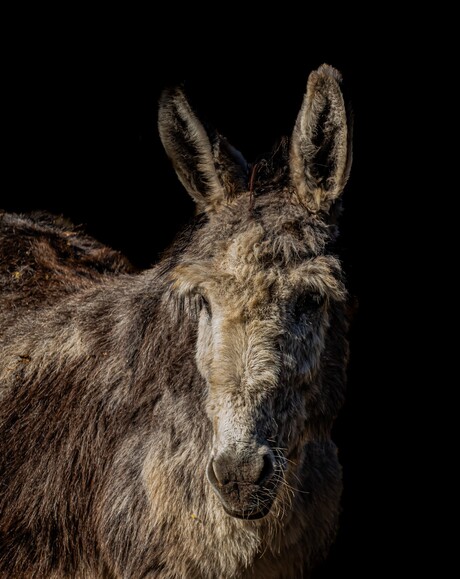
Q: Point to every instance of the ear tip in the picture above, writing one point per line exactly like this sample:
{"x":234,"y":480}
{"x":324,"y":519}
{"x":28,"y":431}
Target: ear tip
{"x":171,"y":94}
{"x":326,"y":70}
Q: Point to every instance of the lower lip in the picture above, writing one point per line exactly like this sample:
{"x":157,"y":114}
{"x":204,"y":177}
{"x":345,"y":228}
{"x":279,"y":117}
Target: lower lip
{"x":246,"y":517}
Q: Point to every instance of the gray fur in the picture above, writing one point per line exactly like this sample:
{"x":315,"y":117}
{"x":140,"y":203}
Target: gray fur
{"x":176,"y":422}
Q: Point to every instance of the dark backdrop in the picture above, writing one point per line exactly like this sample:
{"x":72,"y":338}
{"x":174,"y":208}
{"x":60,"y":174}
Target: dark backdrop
{"x":80,"y":139}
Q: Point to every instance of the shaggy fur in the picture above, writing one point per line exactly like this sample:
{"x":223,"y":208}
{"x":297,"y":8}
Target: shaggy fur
{"x":176,"y":422}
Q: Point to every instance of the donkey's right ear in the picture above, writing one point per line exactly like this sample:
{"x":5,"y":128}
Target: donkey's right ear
{"x":211,"y":172}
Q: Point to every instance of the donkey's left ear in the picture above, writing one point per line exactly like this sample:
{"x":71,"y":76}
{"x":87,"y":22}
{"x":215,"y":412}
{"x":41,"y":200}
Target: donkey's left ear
{"x":320,"y":154}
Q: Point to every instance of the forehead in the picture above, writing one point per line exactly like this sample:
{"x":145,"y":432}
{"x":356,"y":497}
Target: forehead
{"x":253,"y":264}
{"x":269,"y":253}
{"x":271,"y":229}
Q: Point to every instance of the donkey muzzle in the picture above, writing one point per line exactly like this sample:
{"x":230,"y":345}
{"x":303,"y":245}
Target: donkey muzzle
{"x":244,"y":481}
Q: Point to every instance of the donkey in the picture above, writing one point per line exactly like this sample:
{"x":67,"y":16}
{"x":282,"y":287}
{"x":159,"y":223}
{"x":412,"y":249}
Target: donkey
{"x":176,"y":422}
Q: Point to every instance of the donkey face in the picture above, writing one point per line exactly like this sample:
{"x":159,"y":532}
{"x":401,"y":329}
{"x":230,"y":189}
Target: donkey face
{"x":270,"y":298}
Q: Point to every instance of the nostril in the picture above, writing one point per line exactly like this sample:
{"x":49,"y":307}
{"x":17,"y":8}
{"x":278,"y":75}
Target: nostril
{"x":267,"y":470}
{"x":221,"y":475}
{"x":217,"y":474}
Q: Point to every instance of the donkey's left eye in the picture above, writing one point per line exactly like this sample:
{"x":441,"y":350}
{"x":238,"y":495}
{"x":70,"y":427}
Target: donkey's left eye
{"x":308,"y":304}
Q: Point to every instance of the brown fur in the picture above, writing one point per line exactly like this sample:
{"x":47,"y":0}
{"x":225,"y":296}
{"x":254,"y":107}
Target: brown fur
{"x":176,"y":422}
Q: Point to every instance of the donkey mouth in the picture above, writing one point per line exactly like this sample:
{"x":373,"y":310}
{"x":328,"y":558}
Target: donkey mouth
{"x":243,"y":500}
{"x":249,"y":514}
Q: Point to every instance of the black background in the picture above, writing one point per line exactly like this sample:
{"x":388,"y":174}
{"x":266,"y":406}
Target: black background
{"x":80,"y":139}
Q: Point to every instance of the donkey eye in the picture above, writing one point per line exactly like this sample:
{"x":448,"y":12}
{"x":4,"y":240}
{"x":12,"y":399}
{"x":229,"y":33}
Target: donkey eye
{"x":308,"y":305}
{"x":205,"y":305}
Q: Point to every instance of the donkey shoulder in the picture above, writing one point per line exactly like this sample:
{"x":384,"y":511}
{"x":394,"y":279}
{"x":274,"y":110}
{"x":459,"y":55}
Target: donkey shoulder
{"x":44,"y":256}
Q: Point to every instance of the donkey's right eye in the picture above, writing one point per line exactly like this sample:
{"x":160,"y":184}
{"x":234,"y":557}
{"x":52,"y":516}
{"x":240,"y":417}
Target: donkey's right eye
{"x":206,"y":306}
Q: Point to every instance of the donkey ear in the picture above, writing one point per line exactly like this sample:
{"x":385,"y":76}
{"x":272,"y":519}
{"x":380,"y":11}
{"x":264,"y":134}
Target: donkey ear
{"x":210,"y":171}
{"x":320,"y":155}
{"x":231,"y":167}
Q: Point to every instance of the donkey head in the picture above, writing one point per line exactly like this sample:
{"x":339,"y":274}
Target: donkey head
{"x":271,"y":323}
